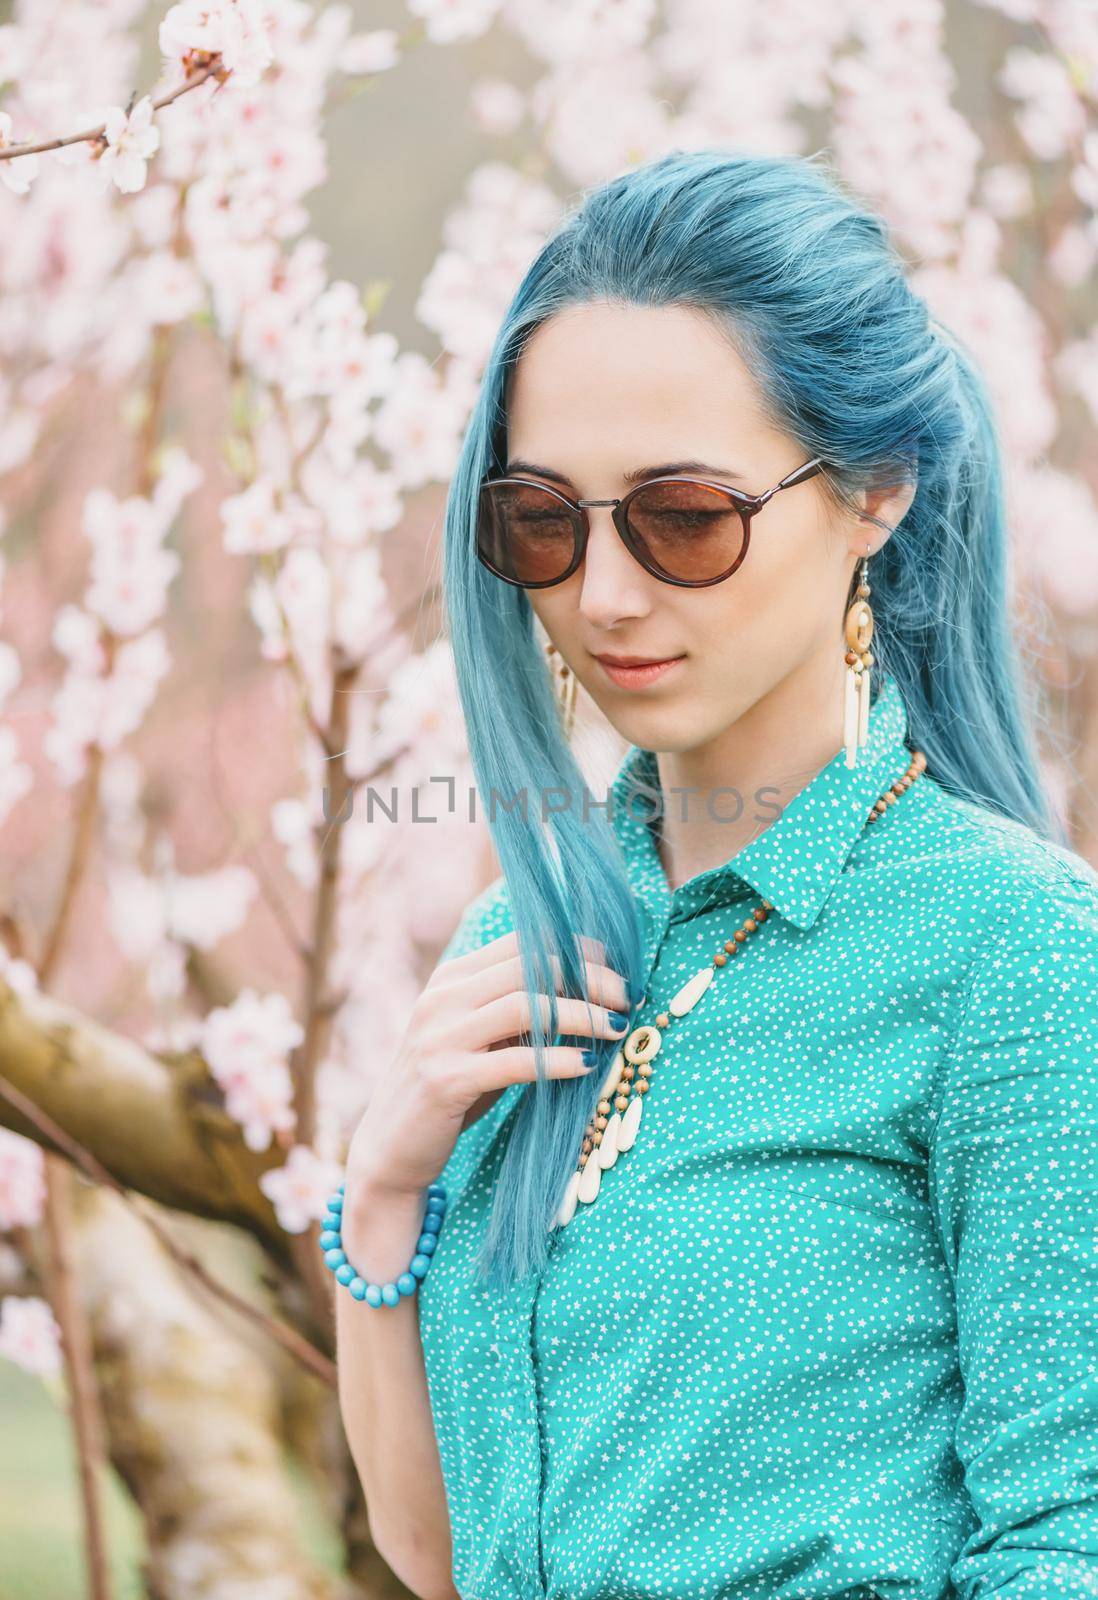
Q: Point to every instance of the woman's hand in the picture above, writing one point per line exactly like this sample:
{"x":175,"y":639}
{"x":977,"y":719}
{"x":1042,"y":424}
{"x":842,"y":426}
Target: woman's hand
{"x":462,"y":1048}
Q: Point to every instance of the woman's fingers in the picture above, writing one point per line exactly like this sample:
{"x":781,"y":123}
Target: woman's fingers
{"x":504,"y":949}
{"x":509,"y":1017}
{"x":492,"y":980}
{"x":489,"y":1074}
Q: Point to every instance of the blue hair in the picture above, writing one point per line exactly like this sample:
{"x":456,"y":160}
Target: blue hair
{"x":850,"y":363}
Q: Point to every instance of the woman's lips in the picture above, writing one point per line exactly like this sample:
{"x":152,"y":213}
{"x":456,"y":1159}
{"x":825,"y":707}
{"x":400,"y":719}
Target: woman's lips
{"x":638,"y":677}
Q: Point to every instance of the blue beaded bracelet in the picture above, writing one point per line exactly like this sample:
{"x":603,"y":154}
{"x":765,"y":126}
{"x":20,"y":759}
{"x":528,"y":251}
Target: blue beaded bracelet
{"x":383,"y":1294}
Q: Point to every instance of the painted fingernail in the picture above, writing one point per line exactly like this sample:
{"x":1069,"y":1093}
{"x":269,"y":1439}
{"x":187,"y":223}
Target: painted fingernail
{"x":590,"y":1056}
{"x":618,"y":1021}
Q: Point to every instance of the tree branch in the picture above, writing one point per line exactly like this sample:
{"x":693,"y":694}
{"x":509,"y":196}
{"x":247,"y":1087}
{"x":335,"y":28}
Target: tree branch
{"x":157,"y":1124}
{"x":212,"y":69}
{"x":292,"y":1342}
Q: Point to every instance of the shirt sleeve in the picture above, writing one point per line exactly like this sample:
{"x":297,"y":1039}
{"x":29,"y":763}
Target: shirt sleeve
{"x":1013,"y":1169}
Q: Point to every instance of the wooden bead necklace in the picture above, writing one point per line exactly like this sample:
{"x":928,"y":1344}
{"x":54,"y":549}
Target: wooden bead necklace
{"x":613,"y":1128}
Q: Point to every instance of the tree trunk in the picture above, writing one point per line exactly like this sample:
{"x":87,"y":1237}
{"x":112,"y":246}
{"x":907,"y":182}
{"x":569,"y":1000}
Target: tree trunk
{"x":193,"y":1420}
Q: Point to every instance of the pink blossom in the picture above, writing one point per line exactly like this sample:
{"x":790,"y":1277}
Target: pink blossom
{"x":153,"y":215}
{"x":1056,"y":545}
{"x":139,"y":667}
{"x":265,"y":613}
{"x":252,"y":1031}
{"x":462,"y":304}
{"x":441,"y":867}
{"x":131,"y":139}
{"x":179,"y":476}
{"x":13,"y":53}
{"x":131,"y":570}
{"x":903,"y":143}
{"x":343,"y":1091}
{"x":378,"y":51}
{"x":1003,"y":330}
{"x":1007,"y":190}
{"x":195,"y":909}
{"x":19,"y":975}
{"x":1084,"y":176}
{"x":380,"y":959}
{"x":265,"y":321}
{"x":245,"y":1045}
{"x":137,"y":913}
{"x":1016,"y":10}
{"x":421,"y":712}
{"x":237,"y":30}
{"x":303,"y":588}
{"x":358,"y":501}
{"x":291,"y":826}
{"x":22,"y":1180}
{"x":246,"y":47}
{"x":78,"y":636}
{"x":574,"y":30}
{"x":262,"y":1103}
{"x":367,"y":840}
{"x":253,"y":523}
{"x":92,"y":709}
{"x":450,"y":20}
{"x":19,"y":172}
{"x":19,"y":433}
{"x":602,"y":114}
{"x":10,"y":672}
{"x":326,"y":346}
{"x":300,"y":1187}
{"x":1077,"y":363}
{"x":193,"y":27}
{"x":165,"y":288}
{"x":16,"y":778}
{"x":30,"y":1335}
{"x":497,"y":106}
{"x":418,"y":423}
{"x":362,"y":611}
{"x":1052,"y":117}
{"x":205,"y":907}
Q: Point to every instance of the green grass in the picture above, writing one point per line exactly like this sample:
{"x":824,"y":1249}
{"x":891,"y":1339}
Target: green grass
{"x":41,"y":1548}
{"x":41,"y":1542}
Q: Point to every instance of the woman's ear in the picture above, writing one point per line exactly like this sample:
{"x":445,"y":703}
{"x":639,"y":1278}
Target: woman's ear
{"x":890,"y":505}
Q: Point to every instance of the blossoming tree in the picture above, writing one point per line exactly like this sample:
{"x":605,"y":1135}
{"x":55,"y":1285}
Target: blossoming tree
{"x":198,"y":1041}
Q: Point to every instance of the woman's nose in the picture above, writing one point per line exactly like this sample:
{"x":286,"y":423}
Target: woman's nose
{"x":613,"y":581}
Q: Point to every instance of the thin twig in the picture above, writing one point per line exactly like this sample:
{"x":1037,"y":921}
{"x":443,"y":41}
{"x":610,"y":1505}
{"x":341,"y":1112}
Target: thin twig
{"x":87,"y":1422}
{"x":78,"y":854}
{"x":290,"y":1340}
{"x":213,"y":69}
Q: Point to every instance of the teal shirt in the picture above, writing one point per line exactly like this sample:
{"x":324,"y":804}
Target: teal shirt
{"x":830,"y":1328}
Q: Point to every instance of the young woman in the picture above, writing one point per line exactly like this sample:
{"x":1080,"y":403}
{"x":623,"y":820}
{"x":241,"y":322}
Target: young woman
{"x":822,"y":1322}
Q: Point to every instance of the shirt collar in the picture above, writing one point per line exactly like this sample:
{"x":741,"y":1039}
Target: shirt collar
{"x":795,"y":861}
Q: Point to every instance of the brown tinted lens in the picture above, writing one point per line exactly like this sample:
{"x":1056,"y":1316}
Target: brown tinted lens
{"x":688,"y":530}
{"x":525,"y":533}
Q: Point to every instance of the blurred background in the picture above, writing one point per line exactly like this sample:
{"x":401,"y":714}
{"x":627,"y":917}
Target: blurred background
{"x":244,"y":308}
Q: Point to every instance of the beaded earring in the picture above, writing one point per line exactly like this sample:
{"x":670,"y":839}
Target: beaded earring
{"x":564,"y":688}
{"x":859,"y":659}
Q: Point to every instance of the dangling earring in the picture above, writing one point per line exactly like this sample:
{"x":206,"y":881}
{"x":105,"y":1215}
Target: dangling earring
{"x":859,"y":631}
{"x":564,"y":688}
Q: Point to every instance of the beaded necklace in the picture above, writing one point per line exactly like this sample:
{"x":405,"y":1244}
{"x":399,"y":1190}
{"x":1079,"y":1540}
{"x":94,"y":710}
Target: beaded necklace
{"x":613,"y":1128}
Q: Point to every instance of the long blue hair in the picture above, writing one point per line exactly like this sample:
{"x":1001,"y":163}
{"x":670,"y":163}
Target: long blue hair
{"x":851,"y":364}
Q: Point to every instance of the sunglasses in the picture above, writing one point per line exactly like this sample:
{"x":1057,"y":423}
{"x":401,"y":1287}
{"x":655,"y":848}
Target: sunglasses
{"x":683,"y":530}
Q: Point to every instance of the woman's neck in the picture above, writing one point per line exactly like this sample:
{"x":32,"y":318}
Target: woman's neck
{"x":721,"y":795}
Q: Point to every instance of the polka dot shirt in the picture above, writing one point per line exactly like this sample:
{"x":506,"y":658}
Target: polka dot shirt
{"x":830,"y":1328}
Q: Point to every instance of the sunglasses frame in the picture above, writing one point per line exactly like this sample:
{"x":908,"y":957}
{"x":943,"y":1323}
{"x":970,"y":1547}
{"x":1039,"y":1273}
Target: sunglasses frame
{"x":748,"y":505}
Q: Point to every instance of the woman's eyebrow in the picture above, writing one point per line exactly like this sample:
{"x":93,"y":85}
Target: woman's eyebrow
{"x":702,"y":468}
